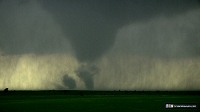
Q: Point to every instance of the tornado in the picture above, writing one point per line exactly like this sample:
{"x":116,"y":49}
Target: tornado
{"x":97,"y":42}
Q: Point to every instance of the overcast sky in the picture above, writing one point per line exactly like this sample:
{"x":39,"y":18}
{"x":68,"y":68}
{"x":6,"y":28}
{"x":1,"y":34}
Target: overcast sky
{"x":100,"y":44}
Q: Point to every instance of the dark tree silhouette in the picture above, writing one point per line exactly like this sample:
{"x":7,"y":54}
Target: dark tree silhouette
{"x":5,"y":90}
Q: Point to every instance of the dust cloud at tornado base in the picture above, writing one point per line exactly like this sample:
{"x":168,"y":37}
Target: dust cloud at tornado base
{"x":160,"y":53}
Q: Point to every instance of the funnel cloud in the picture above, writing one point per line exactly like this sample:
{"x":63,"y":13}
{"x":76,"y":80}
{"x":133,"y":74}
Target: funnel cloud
{"x":100,"y":44}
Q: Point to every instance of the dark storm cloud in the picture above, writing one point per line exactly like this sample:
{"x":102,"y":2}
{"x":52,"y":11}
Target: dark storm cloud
{"x":89,"y":25}
{"x":27,"y":28}
{"x":92,"y":24}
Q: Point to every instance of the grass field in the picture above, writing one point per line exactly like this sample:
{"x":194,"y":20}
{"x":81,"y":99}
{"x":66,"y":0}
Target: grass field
{"x":81,"y":101}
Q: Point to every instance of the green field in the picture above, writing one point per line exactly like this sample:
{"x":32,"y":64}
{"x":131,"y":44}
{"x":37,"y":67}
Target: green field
{"x":93,"y":102}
